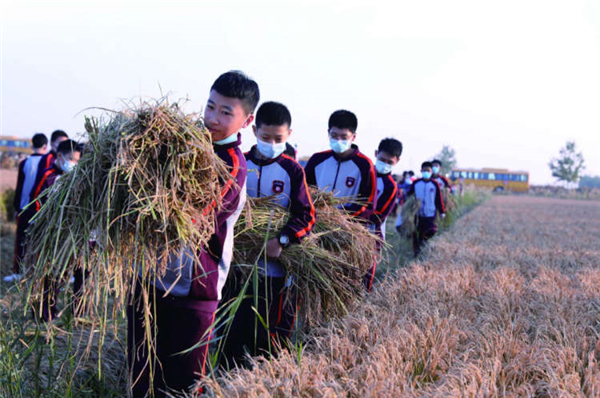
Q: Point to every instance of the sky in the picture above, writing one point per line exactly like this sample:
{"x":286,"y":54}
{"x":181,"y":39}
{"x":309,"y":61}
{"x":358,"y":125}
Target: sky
{"x":504,"y":83}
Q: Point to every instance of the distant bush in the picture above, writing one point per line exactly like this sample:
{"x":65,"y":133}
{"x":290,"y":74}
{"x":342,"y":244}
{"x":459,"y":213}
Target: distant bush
{"x":7,"y":209}
{"x":551,"y":191}
{"x":589,"y":182}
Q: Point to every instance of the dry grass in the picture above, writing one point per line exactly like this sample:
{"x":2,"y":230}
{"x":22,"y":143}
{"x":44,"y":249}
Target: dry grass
{"x":504,"y":304}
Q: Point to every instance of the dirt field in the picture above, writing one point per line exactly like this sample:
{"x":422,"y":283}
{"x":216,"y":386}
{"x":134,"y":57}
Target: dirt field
{"x":506,"y":303}
{"x":8,"y":179}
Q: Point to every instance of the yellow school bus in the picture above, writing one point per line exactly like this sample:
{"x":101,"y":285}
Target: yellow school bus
{"x":495,"y":179}
{"x":15,"y":145}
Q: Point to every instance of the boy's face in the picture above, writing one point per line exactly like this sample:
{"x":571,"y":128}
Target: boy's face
{"x":387,"y":158}
{"x":272,"y":134}
{"x":225,"y":116}
{"x":62,"y":160}
{"x":338,"y":134}
{"x":427,"y":170}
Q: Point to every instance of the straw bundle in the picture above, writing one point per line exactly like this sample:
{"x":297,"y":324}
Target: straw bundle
{"x":409,"y":213}
{"x":147,"y":184}
{"x":327,"y":267}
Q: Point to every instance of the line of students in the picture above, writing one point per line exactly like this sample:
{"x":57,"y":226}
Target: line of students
{"x":187,"y":296}
{"x":30,"y":173}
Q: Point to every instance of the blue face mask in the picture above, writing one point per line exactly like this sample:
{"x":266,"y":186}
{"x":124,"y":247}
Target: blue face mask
{"x":67,"y":166}
{"x":339,"y":146}
{"x":426,"y":175}
{"x":269,"y":150}
{"x":435,"y":169}
{"x":382,"y":167}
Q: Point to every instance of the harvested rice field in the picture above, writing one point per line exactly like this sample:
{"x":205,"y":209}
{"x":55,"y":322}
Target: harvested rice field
{"x":504,"y":304}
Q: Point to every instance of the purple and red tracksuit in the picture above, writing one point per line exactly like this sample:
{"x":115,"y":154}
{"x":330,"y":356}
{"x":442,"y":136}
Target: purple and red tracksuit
{"x":429,"y":194}
{"x":25,"y":183}
{"x":46,"y":162}
{"x":442,"y":181}
{"x":184,"y":317}
{"x":46,"y":180}
{"x":351,"y":177}
{"x":387,"y":197}
{"x":284,"y":179}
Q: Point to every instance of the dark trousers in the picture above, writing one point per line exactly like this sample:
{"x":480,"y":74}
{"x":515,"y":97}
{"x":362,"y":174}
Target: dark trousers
{"x":247,"y":334}
{"x":176,"y":325}
{"x":22,"y":224}
{"x":425,"y":230}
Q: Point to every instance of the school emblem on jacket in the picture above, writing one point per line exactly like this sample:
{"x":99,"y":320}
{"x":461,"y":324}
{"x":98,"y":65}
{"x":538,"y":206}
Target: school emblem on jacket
{"x":350,"y":181}
{"x":278,"y":186}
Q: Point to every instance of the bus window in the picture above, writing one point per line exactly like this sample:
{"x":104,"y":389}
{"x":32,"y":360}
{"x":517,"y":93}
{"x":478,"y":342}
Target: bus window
{"x":463,"y":174}
{"x":491,"y":176}
{"x":476,"y":175}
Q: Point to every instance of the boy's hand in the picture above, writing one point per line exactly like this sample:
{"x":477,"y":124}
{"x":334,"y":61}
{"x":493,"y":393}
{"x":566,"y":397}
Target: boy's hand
{"x":274,"y":248}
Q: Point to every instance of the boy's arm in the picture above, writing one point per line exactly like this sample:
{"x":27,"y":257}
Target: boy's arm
{"x":309,"y":171}
{"x":446,"y":182}
{"x":19,"y":188}
{"x":302,"y":210}
{"x":366,"y":193}
{"x":439,"y":201}
{"x":385,"y":202}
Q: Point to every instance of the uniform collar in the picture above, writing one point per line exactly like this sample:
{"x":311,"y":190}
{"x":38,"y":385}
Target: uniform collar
{"x":230,"y":142}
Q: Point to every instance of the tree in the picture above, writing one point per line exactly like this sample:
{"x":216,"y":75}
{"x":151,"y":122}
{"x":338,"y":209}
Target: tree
{"x":448,"y":158}
{"x":568,"y":165}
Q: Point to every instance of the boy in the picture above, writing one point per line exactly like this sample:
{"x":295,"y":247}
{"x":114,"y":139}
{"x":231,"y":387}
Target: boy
{"x":436,"y":166}
{"x":429,"y":194}
{"x":344,"y":170}
{"x":25,"y":181}
{"x":67,"y":156}
{"x":187,"y":297}
{"x":272,"y":172}
{"x":387,"y":155}
{"x":48,"y":159}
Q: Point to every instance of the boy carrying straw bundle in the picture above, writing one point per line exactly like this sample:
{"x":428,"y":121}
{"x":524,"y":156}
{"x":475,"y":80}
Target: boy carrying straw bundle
{"x":187,"y":296}
{"x":345,"y":172}
{"x":271,"y":173}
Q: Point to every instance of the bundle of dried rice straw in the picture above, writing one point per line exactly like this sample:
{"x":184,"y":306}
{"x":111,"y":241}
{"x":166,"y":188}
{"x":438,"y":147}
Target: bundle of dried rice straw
{"x":327,"y":267}
{"x":147,"y":184}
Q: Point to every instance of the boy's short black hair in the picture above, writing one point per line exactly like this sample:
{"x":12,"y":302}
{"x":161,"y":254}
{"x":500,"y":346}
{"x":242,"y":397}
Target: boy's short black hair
{"x":391,"y":146}
{"x":436,"y":161}
{"x":343,"y":119}
{"x":39,"y":140}
{"x":426,"y":164}
{"x":273,"y":114}
{"x":411,"y":173}
{"x":236,"y":84}
{"x":68,"y":146}
{"x":56,"y":134}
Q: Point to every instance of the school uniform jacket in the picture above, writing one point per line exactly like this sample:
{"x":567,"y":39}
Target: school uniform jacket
{"x":352,"y":177}
{"x":430,"y":195}
{"x":46,"y":162}
{"x":47,"y":179}
{"x":442,"y":181}
{"x":26,"y":180}
{"x":199,"y":285}
{"x":387,"y":196}
{"x":283,"y":178}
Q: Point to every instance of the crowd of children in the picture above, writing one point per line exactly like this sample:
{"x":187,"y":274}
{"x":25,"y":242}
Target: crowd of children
{"x":188,"y":295}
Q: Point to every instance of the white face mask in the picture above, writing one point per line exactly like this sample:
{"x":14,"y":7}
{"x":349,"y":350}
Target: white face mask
{"x":382,"y":167}
{"x":340,"y":146}
{"x":270,"y":151}
{"x":67,"y":166}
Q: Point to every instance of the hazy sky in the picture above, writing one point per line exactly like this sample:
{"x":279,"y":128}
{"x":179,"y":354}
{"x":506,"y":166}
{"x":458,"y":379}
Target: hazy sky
{"x":504,"y":83}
